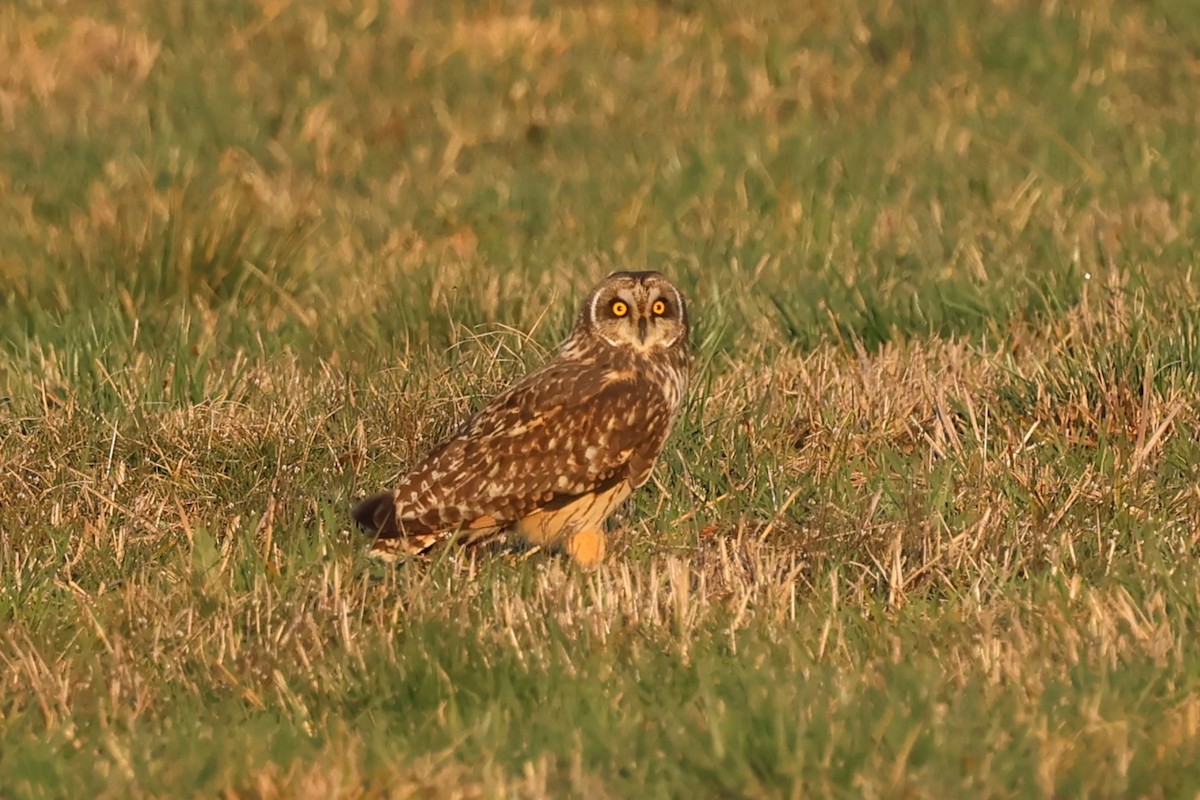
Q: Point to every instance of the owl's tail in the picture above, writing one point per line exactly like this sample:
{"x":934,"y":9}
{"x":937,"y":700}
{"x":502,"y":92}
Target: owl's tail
{"x":395,"y":539}
{"x":377,"y":515}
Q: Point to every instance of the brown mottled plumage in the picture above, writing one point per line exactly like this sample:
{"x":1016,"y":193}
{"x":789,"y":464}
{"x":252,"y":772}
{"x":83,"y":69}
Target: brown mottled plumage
{"x":552,"y":456}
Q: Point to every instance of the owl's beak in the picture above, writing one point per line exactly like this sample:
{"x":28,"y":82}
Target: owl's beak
{"x":642,"y":329}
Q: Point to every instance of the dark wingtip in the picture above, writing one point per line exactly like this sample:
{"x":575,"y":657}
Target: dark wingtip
{"x":376,"y":514}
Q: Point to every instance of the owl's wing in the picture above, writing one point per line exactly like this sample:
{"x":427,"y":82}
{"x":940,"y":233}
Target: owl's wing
{"x":566,"y":430}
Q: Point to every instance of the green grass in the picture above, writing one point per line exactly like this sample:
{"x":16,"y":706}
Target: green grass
{"x":927,"y":528}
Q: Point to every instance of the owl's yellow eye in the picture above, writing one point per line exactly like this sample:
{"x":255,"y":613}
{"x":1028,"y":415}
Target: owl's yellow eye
{"x":619,"y":308}
{"x":659,"y":308}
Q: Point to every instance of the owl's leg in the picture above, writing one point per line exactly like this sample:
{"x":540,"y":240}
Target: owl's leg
{"x":586,"y":548}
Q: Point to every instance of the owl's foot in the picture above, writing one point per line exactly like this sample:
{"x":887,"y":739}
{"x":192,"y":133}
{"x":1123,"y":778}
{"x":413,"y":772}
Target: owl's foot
{"x":586,"y":548}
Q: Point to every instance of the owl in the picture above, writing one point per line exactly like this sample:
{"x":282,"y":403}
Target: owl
{"x":552,"y":456}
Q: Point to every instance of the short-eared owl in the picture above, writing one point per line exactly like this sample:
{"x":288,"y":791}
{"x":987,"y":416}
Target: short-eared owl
{"x":553,"y":455}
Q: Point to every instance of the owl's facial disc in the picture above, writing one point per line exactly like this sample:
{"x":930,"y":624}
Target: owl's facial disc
{"x":639,"y":311}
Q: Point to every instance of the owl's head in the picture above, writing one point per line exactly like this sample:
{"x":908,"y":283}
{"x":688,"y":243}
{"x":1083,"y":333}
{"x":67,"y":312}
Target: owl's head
{"x":640,"y":310}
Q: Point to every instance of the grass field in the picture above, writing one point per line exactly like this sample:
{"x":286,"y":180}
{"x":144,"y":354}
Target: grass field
{"x":928,"y":528}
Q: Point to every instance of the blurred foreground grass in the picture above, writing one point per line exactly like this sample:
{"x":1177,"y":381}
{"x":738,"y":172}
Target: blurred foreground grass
{"x":928,"y":528}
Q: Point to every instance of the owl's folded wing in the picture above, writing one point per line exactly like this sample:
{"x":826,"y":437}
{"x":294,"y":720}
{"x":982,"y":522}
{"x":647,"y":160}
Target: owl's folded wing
{"x":564,"y":431}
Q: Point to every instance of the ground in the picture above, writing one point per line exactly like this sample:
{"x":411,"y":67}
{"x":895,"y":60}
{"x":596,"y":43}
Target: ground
{"x":928,"y":527}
